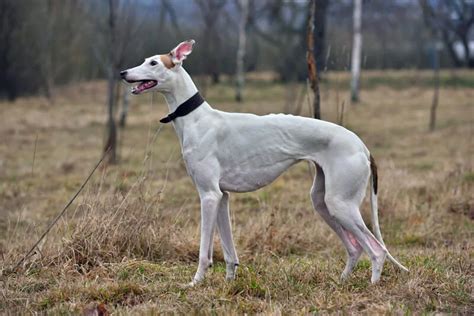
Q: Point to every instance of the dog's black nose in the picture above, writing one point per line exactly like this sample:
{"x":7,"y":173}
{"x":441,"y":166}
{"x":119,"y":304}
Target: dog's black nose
{"x":123,"y":74}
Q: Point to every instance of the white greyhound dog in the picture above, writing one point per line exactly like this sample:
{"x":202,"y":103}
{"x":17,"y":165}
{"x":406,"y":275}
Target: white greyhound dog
{"x":236,"y":152}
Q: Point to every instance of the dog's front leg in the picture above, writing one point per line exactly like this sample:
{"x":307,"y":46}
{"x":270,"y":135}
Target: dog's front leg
{"x":211,"y":246}
{"x":209,"y":207}
{"x":225,"y":232}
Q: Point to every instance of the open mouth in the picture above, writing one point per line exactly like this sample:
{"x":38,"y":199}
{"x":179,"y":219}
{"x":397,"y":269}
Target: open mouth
{"x":143,"y":85}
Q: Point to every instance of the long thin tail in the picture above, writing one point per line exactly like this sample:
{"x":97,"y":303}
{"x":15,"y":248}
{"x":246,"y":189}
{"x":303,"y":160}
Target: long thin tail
{"x":375,"y":211}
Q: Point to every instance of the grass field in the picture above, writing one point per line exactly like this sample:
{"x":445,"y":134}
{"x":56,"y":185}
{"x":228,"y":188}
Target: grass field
{"x":130,"y":241}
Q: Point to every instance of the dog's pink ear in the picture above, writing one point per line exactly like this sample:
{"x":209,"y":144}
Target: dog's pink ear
{"x":179,"y":53}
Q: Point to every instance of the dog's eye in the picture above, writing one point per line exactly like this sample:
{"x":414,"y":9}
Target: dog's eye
{"x":153,"y":63}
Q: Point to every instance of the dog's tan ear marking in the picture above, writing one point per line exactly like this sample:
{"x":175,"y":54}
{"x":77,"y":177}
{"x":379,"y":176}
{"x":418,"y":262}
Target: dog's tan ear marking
{"x":166,"y":60}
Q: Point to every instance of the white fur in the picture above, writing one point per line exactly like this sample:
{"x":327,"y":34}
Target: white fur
{"x":235,"y":152}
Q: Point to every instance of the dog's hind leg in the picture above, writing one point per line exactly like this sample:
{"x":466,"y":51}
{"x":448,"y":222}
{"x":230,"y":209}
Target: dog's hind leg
{"x":353,"y":248}
{"x":225,"y":231}
{"x":345,"y":189}
{"x":350,"y":219}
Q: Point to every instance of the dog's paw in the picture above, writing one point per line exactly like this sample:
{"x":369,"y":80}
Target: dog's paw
{"x":196,"y":280}
{"x":231,"y":271}
{"x":229,"y":279}
{"x":189,"y":285}
{"x":230,"y":275}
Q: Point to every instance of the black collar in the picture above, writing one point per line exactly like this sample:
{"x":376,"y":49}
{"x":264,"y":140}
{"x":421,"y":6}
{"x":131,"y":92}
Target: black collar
{"x":185,"y":108}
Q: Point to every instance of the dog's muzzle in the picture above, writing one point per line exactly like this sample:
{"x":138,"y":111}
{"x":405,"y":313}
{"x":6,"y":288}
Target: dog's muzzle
{"x":142,"y":84}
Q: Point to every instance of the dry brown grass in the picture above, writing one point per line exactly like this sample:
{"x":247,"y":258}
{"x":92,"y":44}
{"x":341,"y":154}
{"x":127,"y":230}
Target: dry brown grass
{"x":131,"y":239}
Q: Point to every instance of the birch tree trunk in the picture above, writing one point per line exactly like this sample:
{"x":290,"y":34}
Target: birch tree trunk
{"x":356,"y":50}
{"x":312,"y":68}
{"x":240,"y":75}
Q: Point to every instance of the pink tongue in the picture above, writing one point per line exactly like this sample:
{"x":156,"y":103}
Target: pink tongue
{"x":145,"y":85}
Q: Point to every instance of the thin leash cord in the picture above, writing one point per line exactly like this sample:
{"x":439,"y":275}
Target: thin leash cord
{"x":148,"y":150}
{"x":155,"y":136}
{"x":62,"y":212}
{"x":158,"y":130}
{"x":28,"y":254}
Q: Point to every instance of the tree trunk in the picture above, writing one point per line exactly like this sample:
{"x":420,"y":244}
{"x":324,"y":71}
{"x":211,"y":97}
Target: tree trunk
{"x":111,"y":142}
{"x":356,"y":50}
{"x":9,"y":15}
{"x":48,"y":72}
{"x":211,"y":11}
{"x":240,"y":75}
{"x":215,"y":74}
{"x":124,"y":113}
{"x":467,"y":52}
{"x":449,"y":45}
{"x":312,"y":68}
{"x":434,"y":104}
{"x":320,"y":35}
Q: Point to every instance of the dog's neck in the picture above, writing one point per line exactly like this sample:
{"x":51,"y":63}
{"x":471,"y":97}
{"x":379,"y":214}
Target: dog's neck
{"x":183,"y":89}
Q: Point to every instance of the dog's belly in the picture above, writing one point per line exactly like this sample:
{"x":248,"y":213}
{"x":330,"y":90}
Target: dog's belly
{"x":251,"y":178}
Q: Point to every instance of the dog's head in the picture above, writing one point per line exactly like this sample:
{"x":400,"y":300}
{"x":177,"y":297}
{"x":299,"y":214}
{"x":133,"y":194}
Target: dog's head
{"x":157,"y":72}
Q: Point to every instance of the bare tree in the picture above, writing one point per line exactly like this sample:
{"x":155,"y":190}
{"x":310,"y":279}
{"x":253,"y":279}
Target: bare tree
{"x":434,"y":103}
{"x":115,"y":37}
{"x":312,"y":67}
{"x":454,"y":21}
{"x":9,"y":21}
{"x":356,"y":50}
{"x":125,"y":103}
{"x":167,"y":8}
{"x":47,"y":51}
{"x":435,"y":25}
{"x":286,"y":33}
{"x":210,"y":11}
{"x":111,"y":141}
{"x":320,"y":34}
{"x":53,"y":22}
{"x":240,"y":72}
